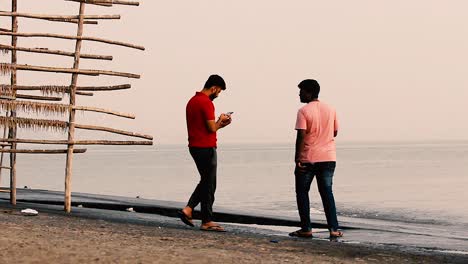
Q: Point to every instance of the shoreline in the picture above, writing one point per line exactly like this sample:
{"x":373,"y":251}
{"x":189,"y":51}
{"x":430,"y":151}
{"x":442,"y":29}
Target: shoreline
{"x":103,"y":236}
{"x":359,"y":244}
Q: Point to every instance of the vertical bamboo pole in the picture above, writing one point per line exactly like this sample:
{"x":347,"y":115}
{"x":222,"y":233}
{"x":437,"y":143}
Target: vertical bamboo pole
{"x":12,"y":131}
{"x":1,"y":155}
{"x":71,"y":129}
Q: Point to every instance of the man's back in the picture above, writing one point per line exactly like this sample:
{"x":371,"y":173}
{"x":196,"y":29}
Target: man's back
{"x":320,"y":123}
{"x":199,"y":110}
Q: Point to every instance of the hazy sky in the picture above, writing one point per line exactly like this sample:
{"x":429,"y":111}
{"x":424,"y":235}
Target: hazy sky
{"x":395,"y":70}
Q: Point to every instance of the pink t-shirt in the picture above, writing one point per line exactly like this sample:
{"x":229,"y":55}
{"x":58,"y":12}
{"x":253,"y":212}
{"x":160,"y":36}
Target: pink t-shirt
{"x":319,"y":121}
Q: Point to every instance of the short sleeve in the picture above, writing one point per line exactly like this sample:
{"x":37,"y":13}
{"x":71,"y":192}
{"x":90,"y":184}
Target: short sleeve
{"x":301,"y":122}
{"x":208,"y":111}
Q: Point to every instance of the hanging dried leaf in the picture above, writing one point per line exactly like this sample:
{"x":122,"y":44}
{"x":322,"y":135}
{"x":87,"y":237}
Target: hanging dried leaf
{"x":34,"y":107}
{"x":5,"y":68}
{"x":35,"y":124}
{"x":5,"y":90}
{"x":54,"y":89}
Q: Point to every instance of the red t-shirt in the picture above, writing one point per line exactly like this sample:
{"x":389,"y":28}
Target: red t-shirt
{"x":200,"y":109}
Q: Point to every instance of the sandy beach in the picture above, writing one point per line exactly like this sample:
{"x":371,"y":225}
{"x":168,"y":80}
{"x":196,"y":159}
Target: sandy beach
{"x":104,"y":236}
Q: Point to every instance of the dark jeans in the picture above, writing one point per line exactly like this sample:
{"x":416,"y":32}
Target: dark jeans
{"x":324,"y":172}
{"x":206,"y":161}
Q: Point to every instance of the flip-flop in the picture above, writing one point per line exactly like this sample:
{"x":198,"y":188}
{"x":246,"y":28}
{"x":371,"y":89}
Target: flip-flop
{"x":300,"y":233}
{"x":336,"y":234}
{"x":214,"y":228}
{"x":187,"y":220}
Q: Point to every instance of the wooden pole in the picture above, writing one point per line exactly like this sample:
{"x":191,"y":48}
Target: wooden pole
{"x":1,"y":155}
{"x":38,"y":97}
{"x":58,"y":108}
{"x":72,"y":70}
{"x":78,"y":142}
{"x":41,"y":151}
{"x":114,"y":131}
{"x":66,"y":89}
{"x":13,"y":81}
{"x":104,"y":111}
{"x":56,"y":52}
{"x":107,"y":2}
{"x":39,"y":16}
{"x":71,"y":122}
{"x":84,"y":93}
{"x":47,"y":35}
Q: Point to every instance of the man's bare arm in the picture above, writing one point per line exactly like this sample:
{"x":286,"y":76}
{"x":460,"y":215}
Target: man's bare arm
{"x":299,"y":144}
{"x":223,"y":121}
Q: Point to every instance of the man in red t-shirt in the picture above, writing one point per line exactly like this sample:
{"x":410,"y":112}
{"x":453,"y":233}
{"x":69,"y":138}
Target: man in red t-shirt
{"x":201,"y":128}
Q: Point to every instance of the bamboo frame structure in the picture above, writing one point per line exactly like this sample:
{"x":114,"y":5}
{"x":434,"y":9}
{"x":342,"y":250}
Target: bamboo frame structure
{"x":28,"y":104}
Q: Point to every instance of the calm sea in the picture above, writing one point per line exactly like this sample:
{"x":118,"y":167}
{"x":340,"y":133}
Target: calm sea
{"x":413,"y":182}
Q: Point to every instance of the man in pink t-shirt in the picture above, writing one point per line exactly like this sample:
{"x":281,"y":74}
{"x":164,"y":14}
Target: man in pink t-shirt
{"x":317,"y":127}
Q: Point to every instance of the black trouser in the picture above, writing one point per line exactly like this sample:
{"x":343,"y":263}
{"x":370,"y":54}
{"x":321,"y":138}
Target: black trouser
{"x":323,"y":171}
{"x":206,"y":161}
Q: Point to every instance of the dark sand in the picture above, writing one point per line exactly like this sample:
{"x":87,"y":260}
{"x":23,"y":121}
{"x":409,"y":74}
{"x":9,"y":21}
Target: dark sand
{"x":84,"y":237}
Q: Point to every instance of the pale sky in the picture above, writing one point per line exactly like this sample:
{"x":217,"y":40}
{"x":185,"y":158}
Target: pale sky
{"x":395,"y":70}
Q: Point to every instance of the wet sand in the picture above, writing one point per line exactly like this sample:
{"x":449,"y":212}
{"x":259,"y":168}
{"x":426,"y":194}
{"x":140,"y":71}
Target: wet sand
{"x":102,"y":236}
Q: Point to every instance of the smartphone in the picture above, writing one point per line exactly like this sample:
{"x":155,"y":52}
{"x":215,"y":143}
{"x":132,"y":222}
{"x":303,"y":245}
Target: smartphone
{"x":229,"y":113}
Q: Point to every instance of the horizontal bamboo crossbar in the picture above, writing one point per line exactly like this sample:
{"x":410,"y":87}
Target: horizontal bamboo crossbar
{"x":66,"y":89}
{"x":77,"y":142}
{"x":114,"y":131}
{"x":38,"y":97}
{"x":104,"y":88}
{"x":5,"y":97}
{"x":66,"y":19}
{"x":5,"y":30}
{"x":70,"y":70}
{"x":35,"y":107}
{"x":56,"y":52}
{"x":47,"y":35}
{"x":84,"y":93}
{"x":39,"y":16}
{"x":101,"y":110}
{"x":41,"y":151}
{"x":74,"y":21}
{"x":32,"y":123}
{"x":107,"y":2}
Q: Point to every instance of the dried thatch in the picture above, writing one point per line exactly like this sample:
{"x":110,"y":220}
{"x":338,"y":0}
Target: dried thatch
{"x":54,"y":89}
{"x":5,"y":68}
{"x":35,"y":124}
{"x":34,"y":107}
{"x":5,"y":90}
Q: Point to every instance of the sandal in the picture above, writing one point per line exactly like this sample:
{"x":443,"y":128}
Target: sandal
{"x":300,"y":233}
{"x":215,"y":228}
{"x":336,"y":234}
{"x":185,"y":218}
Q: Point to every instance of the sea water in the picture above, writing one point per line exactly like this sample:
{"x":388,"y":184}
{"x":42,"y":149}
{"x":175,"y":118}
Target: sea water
{"x":413,"y":182}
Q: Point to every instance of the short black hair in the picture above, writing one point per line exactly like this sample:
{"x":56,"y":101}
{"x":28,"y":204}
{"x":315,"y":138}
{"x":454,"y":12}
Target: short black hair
{"x":215,"y":80}
{"x":310,"y":86}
